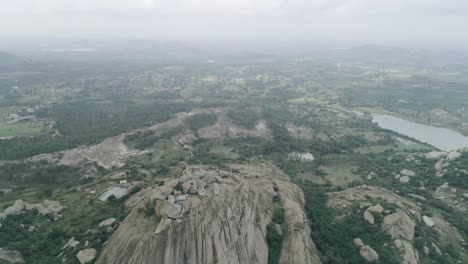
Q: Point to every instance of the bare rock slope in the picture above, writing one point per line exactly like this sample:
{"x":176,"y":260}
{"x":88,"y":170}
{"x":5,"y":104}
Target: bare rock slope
{"x":212,"y":216}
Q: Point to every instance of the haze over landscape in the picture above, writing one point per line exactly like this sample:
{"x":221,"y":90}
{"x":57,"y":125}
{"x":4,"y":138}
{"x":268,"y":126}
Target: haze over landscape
{"x":416,"y":23}
{"x":234,"y":132}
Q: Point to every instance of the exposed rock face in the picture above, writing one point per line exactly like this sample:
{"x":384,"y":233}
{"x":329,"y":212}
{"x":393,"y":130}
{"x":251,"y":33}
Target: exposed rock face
{"x":443,"y":163}
{"x":399,"y":225}
{"x":409,"y":255}
{"x":435,"y":155}
{"x":428,"y":221}
{"x":11,"y":256}
{"x":439,"y":168}
{"x":86,"y":255}
{"x":228,"y":227}
{"x":449,"y":196}
{"x":344,"y":200}
{"x":453,"y":155}
{"x":117,"y":192}
{"x":369,"y":217}
{"x":368,"y":254}
{"x":297,"y":244}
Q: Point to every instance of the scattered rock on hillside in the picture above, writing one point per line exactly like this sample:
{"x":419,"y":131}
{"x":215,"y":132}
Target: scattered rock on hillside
{"x":404,"y":179}
{"x":107,"y":222}
{"x":47,"y":207}
{"x":368,"y":254}
{"x":435,"y":155}
{"x":358,"y":242}
{"x":428,"y":221}
{"x":71,"y":243}
{"x":16,"y":208}
{"x":86,"y":255}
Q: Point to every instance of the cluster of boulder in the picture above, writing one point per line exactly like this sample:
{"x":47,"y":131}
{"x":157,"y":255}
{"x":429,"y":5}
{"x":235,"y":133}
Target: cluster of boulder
{"x":198,"y":217}
{"x":444,"y":159}
{"x":87,"y":255}
{"x":176,"y":197}
{"x":405,"y":175}
{"x":46,"y":208}
{"x":452,"y":196}
{"x":399,"y":223}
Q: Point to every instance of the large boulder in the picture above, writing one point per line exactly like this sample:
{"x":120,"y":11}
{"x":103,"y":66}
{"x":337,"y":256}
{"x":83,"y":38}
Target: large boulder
{"x":453,"y":155}
{"x":376,"y":209}
{"x":16,"y":208}
{"x":368,"y":254}
{"x":86,"y":255}
{"x":436,"y":155}
{"x":406,"y":172}
{"x":404,"y":179}
{"x":358,"y":242}
{"x":107,"y":222}
{"x":399,"y":225}
{"x":428,"y":221}
{"x":369,"y":217}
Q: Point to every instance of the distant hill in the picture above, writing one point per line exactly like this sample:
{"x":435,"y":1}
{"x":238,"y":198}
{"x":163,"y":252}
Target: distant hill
{"x":389,"y":56}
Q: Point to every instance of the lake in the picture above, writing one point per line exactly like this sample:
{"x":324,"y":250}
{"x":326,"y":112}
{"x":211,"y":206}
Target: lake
{"x":441,"y":138}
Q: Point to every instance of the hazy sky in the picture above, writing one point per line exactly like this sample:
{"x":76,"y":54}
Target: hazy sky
{"x":395,"y":22}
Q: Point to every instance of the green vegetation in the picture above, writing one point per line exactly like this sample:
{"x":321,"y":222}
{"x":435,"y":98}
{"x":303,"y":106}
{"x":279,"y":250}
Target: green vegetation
{"x":308,"y":105}
{"x":19,"y":129}
{"x":36,"y":180}
{"x":83,"y":123}
{"x":80,"y":221}
{"x":201,"y":120}
{"x":334,"y":238}
{"x":244,"y":117}
{"x":275,"y":240}
{"x":147,"y":139}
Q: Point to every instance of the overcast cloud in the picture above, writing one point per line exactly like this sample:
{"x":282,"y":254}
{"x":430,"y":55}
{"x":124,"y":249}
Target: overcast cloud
{"x":400,"y":22}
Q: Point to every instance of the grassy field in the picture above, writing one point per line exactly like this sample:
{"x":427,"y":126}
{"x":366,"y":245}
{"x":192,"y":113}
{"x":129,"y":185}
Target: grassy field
{"x":340,"y":174}
{"x":19,"y":129}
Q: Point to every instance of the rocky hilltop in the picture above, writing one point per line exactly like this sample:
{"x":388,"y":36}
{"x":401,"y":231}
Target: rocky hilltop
{"x":214,"y":216}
